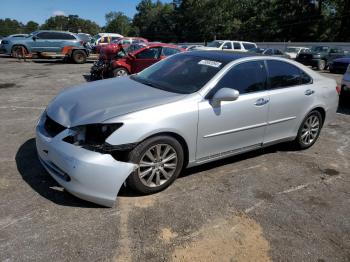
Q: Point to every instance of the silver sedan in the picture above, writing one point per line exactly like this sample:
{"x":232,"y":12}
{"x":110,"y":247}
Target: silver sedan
{"x":188,"y":109}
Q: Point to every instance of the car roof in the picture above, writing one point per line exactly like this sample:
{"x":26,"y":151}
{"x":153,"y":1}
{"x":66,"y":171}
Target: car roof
{"x":151,"y":44}
{"x":54,"y":31}
{"x":225,"y":56}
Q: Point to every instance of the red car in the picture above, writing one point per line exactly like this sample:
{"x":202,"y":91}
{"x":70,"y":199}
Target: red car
{"x":114,"y":46}
{"x":142,"y":58}
{"x":132,"y":60}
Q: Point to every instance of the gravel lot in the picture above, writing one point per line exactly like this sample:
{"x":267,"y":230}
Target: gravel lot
{"x":274,"y":204}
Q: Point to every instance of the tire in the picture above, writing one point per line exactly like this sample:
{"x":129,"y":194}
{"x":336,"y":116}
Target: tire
{"x":119,"y":72}
{"x":79,"y":57}
{"x":16,"y":51}
{"x":159,"y":172}
{"x":307,"y":133}
{"x":321,"y":65}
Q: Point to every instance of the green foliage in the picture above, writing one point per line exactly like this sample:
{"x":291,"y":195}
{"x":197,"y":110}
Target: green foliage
{"x":31,"y":26}
{"x":10,"y":26}
{"x":119,"y":23}
{"x":71,"y":23}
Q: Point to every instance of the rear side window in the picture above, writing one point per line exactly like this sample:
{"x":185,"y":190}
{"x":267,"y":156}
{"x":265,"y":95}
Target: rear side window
{"x":236,"y":45}
{"x":44,"y":35}
{"x":67,"y":36}
{"x":245,"y":77}
{"x":282,"y":74}
{"x":166,"y":51}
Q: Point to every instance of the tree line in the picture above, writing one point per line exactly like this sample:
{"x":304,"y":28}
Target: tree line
{"x":205,"y":20}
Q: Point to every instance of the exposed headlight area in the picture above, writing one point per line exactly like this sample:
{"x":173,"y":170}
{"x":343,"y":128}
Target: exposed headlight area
{"x":93,"y":137}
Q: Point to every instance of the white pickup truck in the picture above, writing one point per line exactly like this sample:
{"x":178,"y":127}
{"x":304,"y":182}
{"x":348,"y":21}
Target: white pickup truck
{"x":229,"y":45}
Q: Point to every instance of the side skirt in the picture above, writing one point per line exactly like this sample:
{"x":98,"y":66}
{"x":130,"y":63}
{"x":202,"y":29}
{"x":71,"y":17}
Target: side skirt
{"x":230,"y":153}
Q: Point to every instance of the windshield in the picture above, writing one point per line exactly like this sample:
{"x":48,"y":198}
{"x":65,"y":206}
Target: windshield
{"x":215,"y":43}
{"x":319,"y":48}
{"x":182,"y":73}
{"x":292,"y":49}
{"x":249,"y":46}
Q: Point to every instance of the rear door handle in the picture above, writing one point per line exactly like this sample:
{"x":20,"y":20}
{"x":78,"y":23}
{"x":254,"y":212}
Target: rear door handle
{"x":309,"y":92}
{"x":261,"y":101}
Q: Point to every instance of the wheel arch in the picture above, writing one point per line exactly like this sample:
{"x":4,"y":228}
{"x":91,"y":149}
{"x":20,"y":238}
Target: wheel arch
{"x":322,"y":111}
{"x":19,"y":45}
{"x":179,"y":138}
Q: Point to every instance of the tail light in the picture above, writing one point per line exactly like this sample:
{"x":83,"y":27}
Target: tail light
{"x":338,"y":88}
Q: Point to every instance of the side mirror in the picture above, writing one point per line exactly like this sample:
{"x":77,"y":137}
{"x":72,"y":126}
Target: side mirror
{"x":225,"y":94}
{"x":34,"y":38}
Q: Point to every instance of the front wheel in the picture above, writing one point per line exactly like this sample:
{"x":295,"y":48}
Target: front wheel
{"x":309,"y":130}
{"x":118,"y":72}
{"x":321,"y":65}
{"x":160,"y":160}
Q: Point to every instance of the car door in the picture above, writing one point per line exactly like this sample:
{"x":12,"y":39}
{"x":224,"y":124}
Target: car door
{"x":227,"y":46}
{"x":232,"y":126}
{"x":57,"y":41}
{"x":40,"y":42}
{"x":145,"y":58}
{"x":291,"y":91}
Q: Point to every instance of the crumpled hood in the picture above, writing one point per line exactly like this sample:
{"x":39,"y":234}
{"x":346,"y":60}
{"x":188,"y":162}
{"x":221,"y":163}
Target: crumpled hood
{"x":98,"y":101}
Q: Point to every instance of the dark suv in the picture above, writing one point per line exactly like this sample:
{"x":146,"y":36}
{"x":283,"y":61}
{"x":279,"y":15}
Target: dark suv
{"x":320,"y":56}
{"x":49,"y":44}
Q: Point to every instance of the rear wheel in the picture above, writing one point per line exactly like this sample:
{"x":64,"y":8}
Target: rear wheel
{"x":160,"y":161}
{"x":79,"y":57}
{"x":118,"y":72}
{"x":309,"y":130}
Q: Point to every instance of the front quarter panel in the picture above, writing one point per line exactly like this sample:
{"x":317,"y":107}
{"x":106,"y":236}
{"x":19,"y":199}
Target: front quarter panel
{"x":179,"y":117}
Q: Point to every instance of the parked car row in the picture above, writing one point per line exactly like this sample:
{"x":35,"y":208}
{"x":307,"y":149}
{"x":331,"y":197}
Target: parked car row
{"x":80,"y":47}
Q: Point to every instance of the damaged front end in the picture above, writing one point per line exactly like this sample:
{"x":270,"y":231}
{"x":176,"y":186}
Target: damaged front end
{"x":81,"y":161}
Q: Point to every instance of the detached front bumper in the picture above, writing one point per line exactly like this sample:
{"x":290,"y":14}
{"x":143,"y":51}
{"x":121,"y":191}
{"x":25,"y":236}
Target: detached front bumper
{"x":91,"y":176}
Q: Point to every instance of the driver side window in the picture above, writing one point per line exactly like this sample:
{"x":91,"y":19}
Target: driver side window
{"x":149,"y":53}
{"x":246,"y":77}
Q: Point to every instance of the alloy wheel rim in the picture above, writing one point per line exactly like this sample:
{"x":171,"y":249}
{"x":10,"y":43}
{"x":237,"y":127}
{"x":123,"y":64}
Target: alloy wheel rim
{"x":121,"y":73}
{"x":310,"y":130}
{"x":158,"y":164}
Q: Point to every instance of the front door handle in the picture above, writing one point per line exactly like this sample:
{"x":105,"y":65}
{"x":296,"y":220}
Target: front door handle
{"x":309,"y":92}
{"x":261,"y":101}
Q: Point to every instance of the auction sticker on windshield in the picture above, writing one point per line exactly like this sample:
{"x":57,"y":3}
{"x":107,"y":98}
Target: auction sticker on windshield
{"x":209,"y":63}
